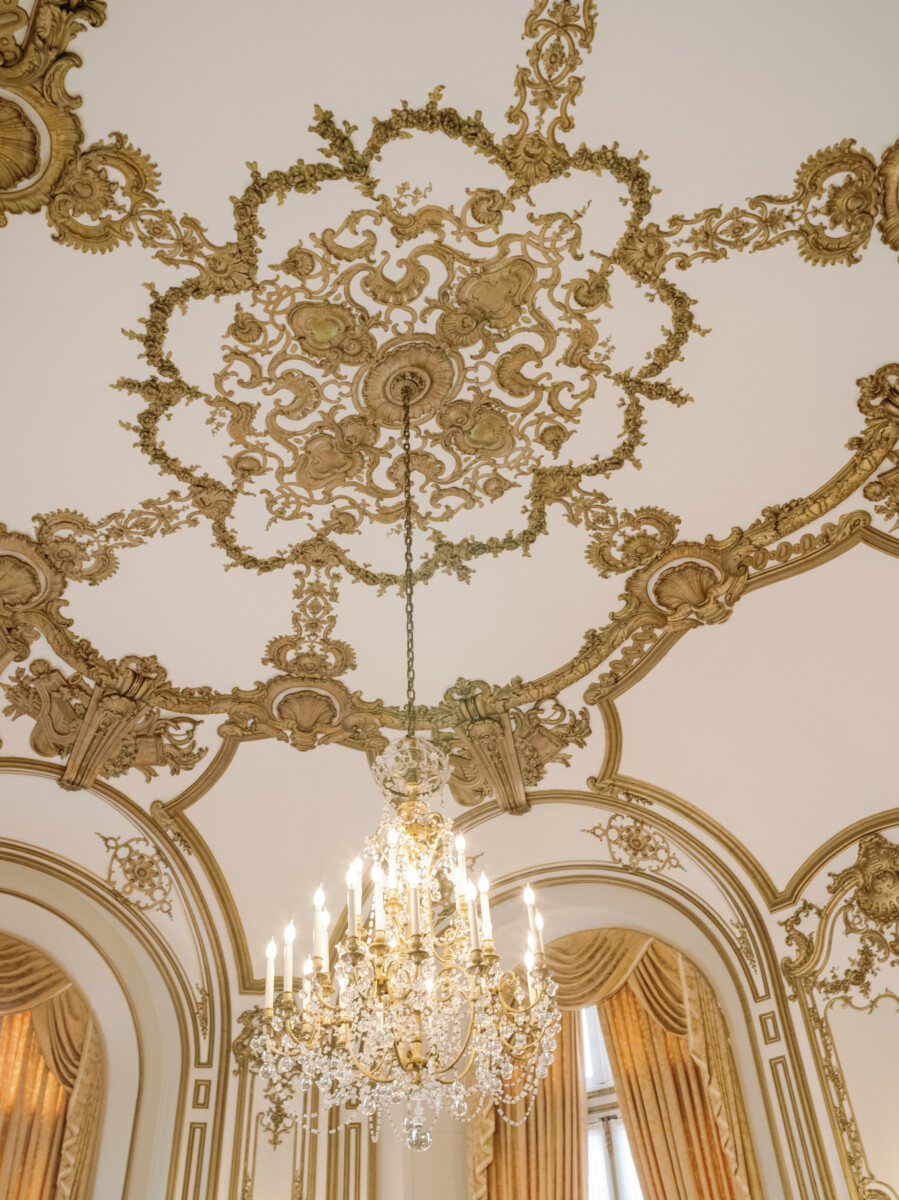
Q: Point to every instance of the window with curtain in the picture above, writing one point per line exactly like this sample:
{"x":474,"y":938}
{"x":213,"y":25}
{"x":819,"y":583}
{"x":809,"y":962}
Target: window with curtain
{"x":51,"y":1080}
{"x":611,"y":1174}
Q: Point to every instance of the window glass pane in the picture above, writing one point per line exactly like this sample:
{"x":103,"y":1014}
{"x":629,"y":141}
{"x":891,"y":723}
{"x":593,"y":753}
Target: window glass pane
{"x":599,"y":1185}
{"x":596,"y":1062}
{"x":628,"y":1183}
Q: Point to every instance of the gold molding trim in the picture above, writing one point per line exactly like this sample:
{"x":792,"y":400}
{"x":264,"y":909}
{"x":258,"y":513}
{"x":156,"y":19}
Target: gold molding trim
{"x":212,"y":1052}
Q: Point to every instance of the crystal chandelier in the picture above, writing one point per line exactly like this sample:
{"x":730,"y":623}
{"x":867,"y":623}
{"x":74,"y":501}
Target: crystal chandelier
{"x":409,"y":1015}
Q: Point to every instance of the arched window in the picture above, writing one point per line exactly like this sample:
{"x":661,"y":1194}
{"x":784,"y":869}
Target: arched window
{"x":611,"y":1174}
{"x":644,"y":1068}
{"x":51,"y":1080}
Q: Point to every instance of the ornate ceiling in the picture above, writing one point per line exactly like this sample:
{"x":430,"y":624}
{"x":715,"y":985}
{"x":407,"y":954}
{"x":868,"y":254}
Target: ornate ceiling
{"x":636,"y":272}
{"x":557,"y":327}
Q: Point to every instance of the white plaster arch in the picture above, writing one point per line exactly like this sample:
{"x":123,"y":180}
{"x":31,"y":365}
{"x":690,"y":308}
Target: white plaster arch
{"x":142,"y":1038}
{"x":607,"y":904}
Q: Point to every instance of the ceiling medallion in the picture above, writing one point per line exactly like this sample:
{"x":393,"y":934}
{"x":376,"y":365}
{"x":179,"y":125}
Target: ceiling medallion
{"x":491,"y":317}
{"x":409,"y":1015}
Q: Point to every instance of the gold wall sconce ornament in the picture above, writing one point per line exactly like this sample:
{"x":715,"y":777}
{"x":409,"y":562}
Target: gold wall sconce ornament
{"x":410,"y":1014}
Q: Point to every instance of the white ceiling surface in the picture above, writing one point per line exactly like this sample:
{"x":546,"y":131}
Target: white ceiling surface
{"x":762,"y":721}
{"x":775,"y":723}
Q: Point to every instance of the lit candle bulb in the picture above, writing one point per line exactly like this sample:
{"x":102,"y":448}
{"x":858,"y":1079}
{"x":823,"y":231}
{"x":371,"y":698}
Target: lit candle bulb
{"x":326,"y":949}
{"x":271,"y":953}
{"x":289,"y":934}
{"x":377,"y":878}
{"x":539,"y":924}
{"x":473,"y":918}
{"x":392,"y":838}
{"x":357,"y":886}
{"x":461,"y":867}
{"x":486,"y":923}
{"x":532,"y":911}
{"x":351,"y":903}
{"x":529,"y":966}
{"x":413,"y":879}
{"x":319,"y":901}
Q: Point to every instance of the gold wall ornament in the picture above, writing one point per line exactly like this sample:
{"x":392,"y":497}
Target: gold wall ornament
{"x":889,"y":174}
{"x":138,"y":874}
{"x":39,"y":131}
{"x":29,"y":588}
{"x":862,"y":912}
{"x":105,"y":729}
{"x":875,"y":879}
{"x":634,"y":845}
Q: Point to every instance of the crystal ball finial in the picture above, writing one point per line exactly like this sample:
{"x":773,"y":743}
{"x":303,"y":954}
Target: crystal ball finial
{"x":411,"y":766}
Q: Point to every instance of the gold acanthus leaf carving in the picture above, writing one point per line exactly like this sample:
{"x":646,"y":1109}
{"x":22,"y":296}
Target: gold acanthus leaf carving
{"x":874,"y":876}
{"x":101,"y":730}
{"x":474,"y":277}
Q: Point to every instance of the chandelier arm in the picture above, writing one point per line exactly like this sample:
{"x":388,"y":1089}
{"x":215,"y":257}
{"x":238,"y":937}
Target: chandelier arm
{"x":409,"y":572}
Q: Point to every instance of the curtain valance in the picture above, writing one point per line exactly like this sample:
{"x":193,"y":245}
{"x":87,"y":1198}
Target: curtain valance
{"x":68,"y":1046}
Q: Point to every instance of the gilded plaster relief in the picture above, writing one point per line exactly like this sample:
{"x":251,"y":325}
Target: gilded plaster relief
{"x":845,"y":955}
{"x":495,"y":317}
{"x":492,"y":317}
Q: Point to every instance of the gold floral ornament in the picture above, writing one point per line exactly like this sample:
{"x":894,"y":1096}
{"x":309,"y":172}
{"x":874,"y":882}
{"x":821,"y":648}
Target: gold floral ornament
{"x":635,"y":846}
{"x":487,"y":337}
{"x":138,"y":875}
{"x":493,"y":319}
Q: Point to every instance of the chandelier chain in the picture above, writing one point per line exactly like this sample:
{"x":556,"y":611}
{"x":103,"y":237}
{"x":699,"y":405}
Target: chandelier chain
{"x":409,"y":574}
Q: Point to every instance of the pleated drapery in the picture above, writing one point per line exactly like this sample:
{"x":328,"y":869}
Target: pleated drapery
{"x":545,"y":1158}
{"x":32,"y":1114}
{"x":51,"y":1080}
{"x":674,"y":1076}
{"x":671,"y":1062}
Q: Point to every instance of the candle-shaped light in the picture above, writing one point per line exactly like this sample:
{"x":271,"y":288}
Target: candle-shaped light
{"x":539,"y":925}
{"x":319,"y":901}
{"x":486,"y":923}
{"x":271,"y":953}
{"x":473,"y":917}
{"x":392,"y":839}
{"x":289,"y":934}
{"x":461,"y":868}
{"x":529,"y":967}
{"x":413,"y":879}
{"x":529,"y":900}
{"x":377,"y":878}
{"x":308,"y":969}
{"x":326,"y":949}
{"x":357,"y":883}
{"x":351,"y":903}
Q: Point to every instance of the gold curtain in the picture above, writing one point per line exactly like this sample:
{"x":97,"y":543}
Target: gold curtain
{"x":64,"y":1046}
{"x":544,"y":1158}
{"x":32,"y":1114}
{"x":671,"y":1062}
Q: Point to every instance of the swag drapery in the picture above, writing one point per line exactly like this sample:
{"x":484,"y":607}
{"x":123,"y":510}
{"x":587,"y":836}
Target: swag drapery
{"x":51,"y":1080}
{"x":674,"y":1077}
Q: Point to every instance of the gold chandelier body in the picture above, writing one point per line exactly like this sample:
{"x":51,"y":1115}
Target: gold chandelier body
{"x":412,"y":1015}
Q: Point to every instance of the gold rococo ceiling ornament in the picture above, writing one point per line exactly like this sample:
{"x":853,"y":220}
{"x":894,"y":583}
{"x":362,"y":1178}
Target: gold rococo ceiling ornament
{"x":487,"y":317}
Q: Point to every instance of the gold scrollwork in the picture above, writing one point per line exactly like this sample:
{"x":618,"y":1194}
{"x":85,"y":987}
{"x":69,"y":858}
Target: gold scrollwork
{"x":138,"y":874}
{"x":635,"y":846}
{"x":864,"y":905}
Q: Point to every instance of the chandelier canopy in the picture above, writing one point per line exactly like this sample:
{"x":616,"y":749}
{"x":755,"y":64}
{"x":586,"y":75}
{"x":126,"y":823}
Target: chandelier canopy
{"x":409,"y":1014}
